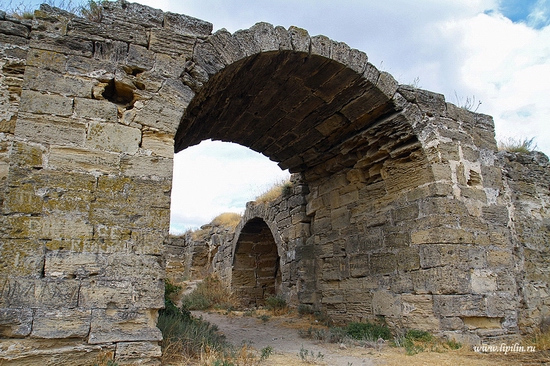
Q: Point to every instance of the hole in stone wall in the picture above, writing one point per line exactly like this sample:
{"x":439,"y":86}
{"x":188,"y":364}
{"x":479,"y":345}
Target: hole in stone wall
{"x":474,"y":179}
{"x":118,"y":93}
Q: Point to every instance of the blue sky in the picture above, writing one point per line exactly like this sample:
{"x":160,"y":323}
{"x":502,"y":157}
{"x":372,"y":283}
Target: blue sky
{"x":496,"y":52}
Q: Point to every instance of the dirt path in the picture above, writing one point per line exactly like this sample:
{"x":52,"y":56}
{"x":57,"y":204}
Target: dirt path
{"x":282,"y":335}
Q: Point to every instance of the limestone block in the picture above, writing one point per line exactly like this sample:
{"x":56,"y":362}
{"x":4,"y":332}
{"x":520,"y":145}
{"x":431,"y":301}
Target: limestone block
{"x":115,"y":51}
{"x":396,"y":238}
{"x":15,"y":29}
{"x":382,"y":263}
{"x":459,"y":305}
{"x":442,"y":235}
{"x":332,"y":297}
{"x":142,"y":353}
{"x":24,"y":293}
{"x":64,"y":264}
{"x":36,"y":102}
{"x":48,"y":60}
{"x":15,"y":323}
{"x":111,"y":325}
{"x":227,"y":45}
{"x":101,"y":110}
{"x":23,"y":199}
{"x":483,"y":281}
{"x":339,"y":218}
{"x":56,"y":226}
{"x":299,"y":38}
{"x":147,"y":166}
{"x":30,"y":352}
{"x":21,"y":227}
{"x":418,"y":312}
{"x":122,"y":294}
{"x":52,"y":82}
{"x":61,"y":323}
{"x":358,"y":264}
{"x":408,"y":259}
{"x":113,"y":137}
{"x":26,"y":155}
{"x":21,"y":257}
{"x":83,"y":160}
{"x":45,"y":129}
{"x":160,"y":144}
{"x":157,"y":114}
{"x":166,"y":41}
{"x":441,"y":280}
{"x":385,"y":303}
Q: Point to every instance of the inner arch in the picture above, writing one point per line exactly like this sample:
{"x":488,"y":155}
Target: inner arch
{"x":256,"y":264}
{"x":296,"y":108}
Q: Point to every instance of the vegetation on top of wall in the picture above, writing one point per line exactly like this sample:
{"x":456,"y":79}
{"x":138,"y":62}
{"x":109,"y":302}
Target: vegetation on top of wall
{"x":282,"y":188}
{"x":91,"y":9}
{"x":518,"y":145}
{"x":227,"y":219}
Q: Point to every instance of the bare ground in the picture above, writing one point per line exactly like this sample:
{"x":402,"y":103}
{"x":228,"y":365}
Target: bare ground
{"x":282,"y":334}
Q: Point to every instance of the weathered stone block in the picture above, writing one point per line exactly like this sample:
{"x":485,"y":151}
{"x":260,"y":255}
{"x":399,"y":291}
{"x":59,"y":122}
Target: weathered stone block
{"x":441,"y":280}
{"x":160,"y":144}
{"x":15,"y":323}
{"x":143,"y":353}
{"x":382,"y":263}
{"x":483,"y":281}
{"x":386,"y":304}
{"x":460,"y":305}
{"x":57,"y":131}
{"x":37,"y":293}
{"x":111,"y":325}
{"x":146,"y":166}
{"x":61,"y":323}
{"x":21,"y":257}
{"x":113,"y":137}
{"x":99,"y":110}
{"x":48,"y":81}
{"x":418,"y":312}
{"x":38,"y":103}
{"x":83,"y":160}
{"x":122,"y":294}
{"x":442,"y":235}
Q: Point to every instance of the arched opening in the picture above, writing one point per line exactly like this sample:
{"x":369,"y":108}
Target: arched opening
{"x":216,"y":177}
{"x":256,"y":264}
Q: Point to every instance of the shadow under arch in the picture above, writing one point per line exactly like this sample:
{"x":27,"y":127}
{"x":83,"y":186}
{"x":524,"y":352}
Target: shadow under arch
{"x":256,"y":272}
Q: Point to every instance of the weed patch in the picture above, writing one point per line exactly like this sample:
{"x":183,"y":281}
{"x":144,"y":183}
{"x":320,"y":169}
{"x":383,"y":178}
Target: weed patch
{"x":210,"y":293}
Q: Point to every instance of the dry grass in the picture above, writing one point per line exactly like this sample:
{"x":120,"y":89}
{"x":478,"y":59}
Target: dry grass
{"x":520,"y":145}
{"x":210,"y":293}
{"x":276,"y":191}
{"x":227,"y":219}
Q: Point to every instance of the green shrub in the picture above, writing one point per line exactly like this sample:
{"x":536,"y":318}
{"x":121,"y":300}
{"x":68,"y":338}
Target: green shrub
{"x":368,"y":331}
{"x":275,"y":303}
{"x":211,"y":292}
{"x":304,"y":309}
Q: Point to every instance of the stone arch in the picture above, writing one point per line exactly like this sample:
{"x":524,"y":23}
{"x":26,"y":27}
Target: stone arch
{"x":401,"y":211}
{"x":256,"y":270}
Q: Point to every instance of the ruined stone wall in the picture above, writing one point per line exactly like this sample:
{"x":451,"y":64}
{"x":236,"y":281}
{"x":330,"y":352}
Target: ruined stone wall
{"x":14,"y":44}
{"x":419,"y":239}
{"x":191,"y":255}
{"x":81,"y":270}
{"x":400,"y":210}
{"x":289,"y":226}
{"x":527,"y":182}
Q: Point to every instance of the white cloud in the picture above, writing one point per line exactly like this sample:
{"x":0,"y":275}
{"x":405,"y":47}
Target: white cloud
{"x":215,"y":177}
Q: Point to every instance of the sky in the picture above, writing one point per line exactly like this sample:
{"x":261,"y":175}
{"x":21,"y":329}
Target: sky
{"x":496,"y":52}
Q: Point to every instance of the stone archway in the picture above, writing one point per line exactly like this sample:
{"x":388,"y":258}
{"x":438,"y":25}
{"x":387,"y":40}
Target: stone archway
{"x":403,"y":211}
{"x":256,"y":272}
